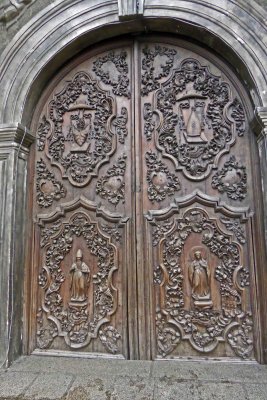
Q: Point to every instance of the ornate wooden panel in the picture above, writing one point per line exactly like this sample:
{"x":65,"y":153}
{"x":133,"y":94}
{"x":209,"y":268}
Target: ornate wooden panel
{"x":198,"y":205}
{"x":143,"y":207}
{"x":83,"y":209}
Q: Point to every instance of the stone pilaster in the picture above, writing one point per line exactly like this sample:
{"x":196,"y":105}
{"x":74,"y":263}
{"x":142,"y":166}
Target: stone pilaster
{"x":261,"y":113}
{"x":15,"y":141}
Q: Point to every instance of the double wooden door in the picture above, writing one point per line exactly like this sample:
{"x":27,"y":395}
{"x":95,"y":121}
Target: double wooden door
{"x":143,"y":207}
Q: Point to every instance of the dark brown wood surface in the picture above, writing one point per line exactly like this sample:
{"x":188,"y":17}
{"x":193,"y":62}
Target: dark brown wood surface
{"x":143,"y":208}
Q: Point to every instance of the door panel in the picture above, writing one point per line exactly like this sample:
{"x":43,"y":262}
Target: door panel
{"x":197,"y":200}
{"x":83,"y":209}
{"x":143,"y":207}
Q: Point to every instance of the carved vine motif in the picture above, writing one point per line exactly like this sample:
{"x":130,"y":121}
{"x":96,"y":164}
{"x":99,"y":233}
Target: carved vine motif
{"x":149,"y":123}
{"x":120,"y":125}
{"x":203,"y":325}
{"x":240,"y":337}
{"x":150,"y":78}
{"x":48,"y":188}
{"x":111,"y":186}
{"x":159,"y":230}
{"x":199,"y":120}
{"x":113,"y":232}
{"x":72,"y":316}
{"x":42,"y":132}
{"x":109,"y":337}
{"x":236,"y":228}
{"x":161,"y":182}
{"x":238,"y":114}
{"x":80,"y":140}
{"x":119,"y":80}
{"x":235,"y":186}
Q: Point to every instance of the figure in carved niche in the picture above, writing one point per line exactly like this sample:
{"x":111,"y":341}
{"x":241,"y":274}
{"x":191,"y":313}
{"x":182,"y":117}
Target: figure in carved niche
{"x":80,"y":277}
{"x":199,"y":277}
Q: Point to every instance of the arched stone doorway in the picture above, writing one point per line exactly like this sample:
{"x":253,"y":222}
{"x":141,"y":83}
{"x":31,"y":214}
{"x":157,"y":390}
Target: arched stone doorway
{"x":31,"y":60}
{"x":144,"y":207}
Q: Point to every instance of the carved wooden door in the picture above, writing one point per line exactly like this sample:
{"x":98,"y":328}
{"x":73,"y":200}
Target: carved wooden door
{"x":143,"y":207}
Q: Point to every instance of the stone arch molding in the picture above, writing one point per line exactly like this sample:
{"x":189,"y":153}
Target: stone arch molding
{"x":66,"y":26}
{"x":234,"y":29}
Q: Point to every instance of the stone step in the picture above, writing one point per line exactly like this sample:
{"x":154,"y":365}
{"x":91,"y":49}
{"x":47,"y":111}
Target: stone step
{"x":64,"y":378}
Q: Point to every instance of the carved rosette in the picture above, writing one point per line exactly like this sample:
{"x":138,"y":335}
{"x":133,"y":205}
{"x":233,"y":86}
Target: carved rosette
{"x":119,"y":81}
{"x":80,"y":131}
{"x":198,"y":119}
{"x":204,"y":305}
{"x":68,"y":312}
{"x":231,"y":179}
{"x":48,"y":188}
{"x":161,"y":182}
{"x":111,"y":186}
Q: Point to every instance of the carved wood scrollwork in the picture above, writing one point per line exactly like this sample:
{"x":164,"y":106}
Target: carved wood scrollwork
{"x":117,"y":78}
{"x":78,"y":297}
{"x":199,"y":279}
{"x":48,"y":188}
{"x":111,"y":186}
{"x":82,"y":127}
{"x":231,"y":179}
{"x":199,"y":119}
{"x":161,"y":182}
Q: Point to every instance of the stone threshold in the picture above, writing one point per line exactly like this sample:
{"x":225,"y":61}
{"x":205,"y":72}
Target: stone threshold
{"x":64,"y":378}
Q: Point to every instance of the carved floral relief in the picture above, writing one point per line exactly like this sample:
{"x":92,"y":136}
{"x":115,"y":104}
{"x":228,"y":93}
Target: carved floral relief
{"x":198,"y":118}
{"x":231,"y":179}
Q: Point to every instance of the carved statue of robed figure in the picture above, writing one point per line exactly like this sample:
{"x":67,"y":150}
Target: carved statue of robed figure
{"x":199,"y":277}
{"x":80,"y":277}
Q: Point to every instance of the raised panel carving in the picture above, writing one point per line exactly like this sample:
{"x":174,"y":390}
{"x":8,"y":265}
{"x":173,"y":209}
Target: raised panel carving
{"x":79,"y":292}
{"x":200,"y":279}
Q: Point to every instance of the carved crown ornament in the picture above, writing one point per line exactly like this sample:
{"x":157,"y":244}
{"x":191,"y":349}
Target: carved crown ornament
{"x":193,"y":115}
{"x":82,"y":313}
{"x":200,"y":289}
{"x":81,"y":129}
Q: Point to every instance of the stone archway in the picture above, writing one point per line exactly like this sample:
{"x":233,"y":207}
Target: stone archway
{"x":64,"y":29}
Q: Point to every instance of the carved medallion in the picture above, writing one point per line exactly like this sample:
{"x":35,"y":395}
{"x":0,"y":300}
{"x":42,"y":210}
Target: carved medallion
{"x":231,"y":179}
{"x":48,"y":188}
{"x":198,"y":119}
{"x":161,"y":182}
{"x":111,"y":186}
{"x":76,"y":135}
{"x":113,"y":70}
{"x":198,"y":288}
